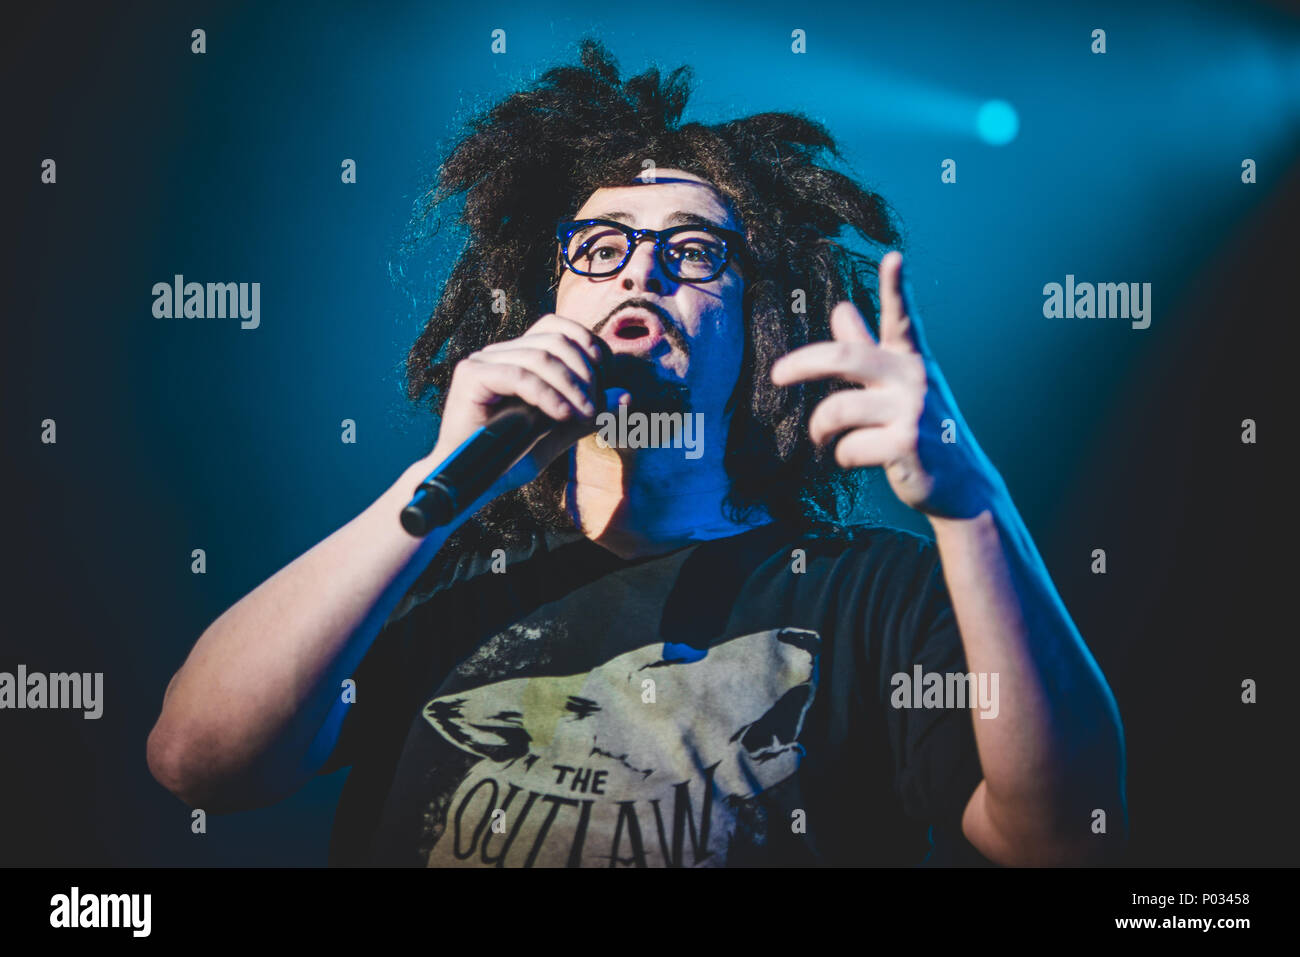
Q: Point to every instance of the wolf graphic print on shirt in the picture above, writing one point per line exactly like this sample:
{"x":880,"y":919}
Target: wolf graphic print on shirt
{"x":645,"y":760}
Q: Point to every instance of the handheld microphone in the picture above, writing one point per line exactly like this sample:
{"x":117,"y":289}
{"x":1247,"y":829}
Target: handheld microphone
{"x":489,"y":453}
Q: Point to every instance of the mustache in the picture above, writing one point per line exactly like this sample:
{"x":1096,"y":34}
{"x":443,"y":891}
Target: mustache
{"x":671,"y":332}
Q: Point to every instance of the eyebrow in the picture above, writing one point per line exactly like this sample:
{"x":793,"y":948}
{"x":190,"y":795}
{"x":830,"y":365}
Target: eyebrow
{"x":676,"y":218}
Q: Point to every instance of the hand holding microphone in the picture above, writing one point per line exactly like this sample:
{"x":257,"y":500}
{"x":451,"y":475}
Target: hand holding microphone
{"x":511,"y":409}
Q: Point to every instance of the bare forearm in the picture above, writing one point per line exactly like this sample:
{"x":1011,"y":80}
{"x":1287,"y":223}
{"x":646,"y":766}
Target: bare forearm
{"x":1054,"y":752}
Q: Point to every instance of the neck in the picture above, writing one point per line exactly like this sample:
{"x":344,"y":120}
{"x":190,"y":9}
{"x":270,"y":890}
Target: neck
{"x":641,"y":502}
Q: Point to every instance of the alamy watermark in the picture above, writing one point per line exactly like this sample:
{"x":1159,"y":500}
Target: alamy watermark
{"x":36,"y":690}
{"x":651,"y":430}
{"x":948,"y":690}
{"x":1103,"y":300}
{"x":75,"y":909}
{"x":215,"y":300}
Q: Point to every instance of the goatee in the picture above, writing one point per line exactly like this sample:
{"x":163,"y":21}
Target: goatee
{"x":650,"y":392}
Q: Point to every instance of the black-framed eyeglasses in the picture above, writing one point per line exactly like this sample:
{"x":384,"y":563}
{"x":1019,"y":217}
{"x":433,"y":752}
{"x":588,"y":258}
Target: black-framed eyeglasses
{"x":690,"y":253}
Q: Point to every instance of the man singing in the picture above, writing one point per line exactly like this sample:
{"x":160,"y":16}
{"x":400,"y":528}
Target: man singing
{"x":625,"y":655}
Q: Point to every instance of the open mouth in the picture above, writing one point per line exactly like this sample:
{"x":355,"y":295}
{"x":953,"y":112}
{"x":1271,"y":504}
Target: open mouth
{"x":635,"y":331}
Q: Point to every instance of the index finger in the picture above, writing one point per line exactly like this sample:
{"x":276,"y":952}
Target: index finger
{"x":590,"y":343}
{"x":900,"y":326}
{"x":822,"y":360}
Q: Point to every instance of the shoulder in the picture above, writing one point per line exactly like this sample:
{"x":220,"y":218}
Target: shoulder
{"x":879,"y":567}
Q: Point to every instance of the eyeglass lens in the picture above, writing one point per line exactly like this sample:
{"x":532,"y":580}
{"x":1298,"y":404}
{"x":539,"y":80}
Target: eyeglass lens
{"x":689,"y":254}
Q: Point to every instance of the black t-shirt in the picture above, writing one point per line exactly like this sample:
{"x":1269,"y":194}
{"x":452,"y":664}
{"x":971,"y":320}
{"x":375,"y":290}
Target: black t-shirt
{"x":728,"y":703}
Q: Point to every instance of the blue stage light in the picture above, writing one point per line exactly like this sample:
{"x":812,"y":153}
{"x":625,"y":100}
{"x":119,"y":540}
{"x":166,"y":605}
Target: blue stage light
{"x":997,"y":122}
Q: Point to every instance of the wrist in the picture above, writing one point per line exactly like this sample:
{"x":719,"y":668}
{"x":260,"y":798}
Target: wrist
{"x":983,"y":521}
{"x":983,"y":506}
{"x":435,"y":458}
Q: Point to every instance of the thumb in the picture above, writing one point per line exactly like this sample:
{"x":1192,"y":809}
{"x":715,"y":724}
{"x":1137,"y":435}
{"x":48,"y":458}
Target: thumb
{"x":565,"y":434}
{"x":616,"y":397}
{"x":570,"y":431}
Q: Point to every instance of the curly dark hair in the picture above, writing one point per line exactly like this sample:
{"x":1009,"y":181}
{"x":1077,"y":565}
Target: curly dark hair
{"x":534,"y":158}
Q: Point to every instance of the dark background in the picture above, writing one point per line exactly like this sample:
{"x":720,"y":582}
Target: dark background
{"x":178,"y":434}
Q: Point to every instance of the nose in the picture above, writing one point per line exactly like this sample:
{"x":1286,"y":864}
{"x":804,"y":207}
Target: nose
{"x":642,"y":268}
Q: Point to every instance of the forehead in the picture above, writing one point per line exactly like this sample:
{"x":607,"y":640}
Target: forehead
{"x":674,"y":197}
